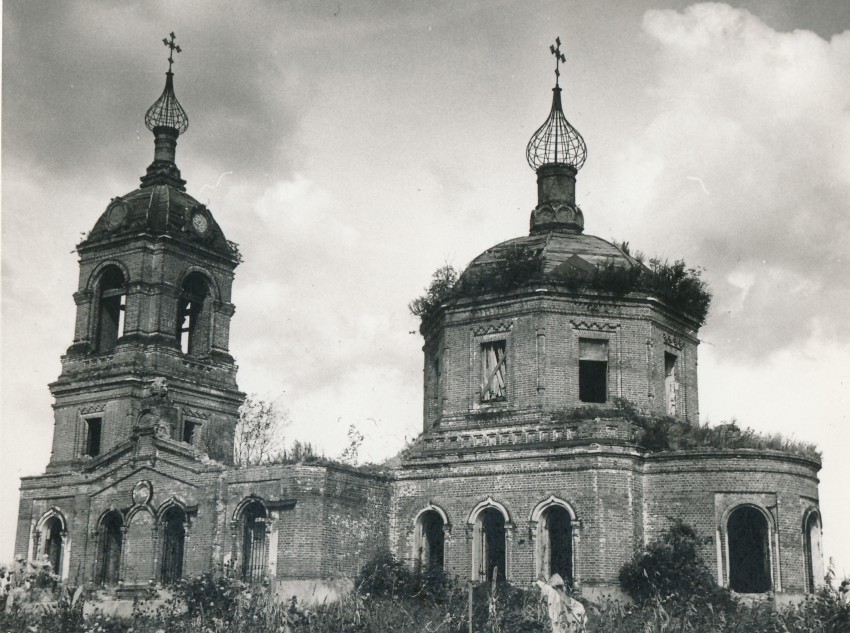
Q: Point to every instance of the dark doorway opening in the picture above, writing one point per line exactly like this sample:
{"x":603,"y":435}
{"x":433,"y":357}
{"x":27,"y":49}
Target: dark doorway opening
{"x":173,"y":543}
{"x":430,"y":550}
{"x":493,"y":550}
{"x":254,"y":542}
{"x":110,"y":549}
{"x":560,"y":532}
{"x":749,"y":551}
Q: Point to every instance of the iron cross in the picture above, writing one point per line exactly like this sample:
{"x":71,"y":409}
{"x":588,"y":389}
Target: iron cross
{"x":173,"y":47}
{"x":556,"y":51}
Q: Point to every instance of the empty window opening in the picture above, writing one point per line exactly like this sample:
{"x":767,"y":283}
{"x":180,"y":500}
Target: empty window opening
{"x":814,"y":553}
{"x":111,"y":308}
{"x":54,"y":544}
{"x":593,"y":370}
{"x":254,"y":544}
{"x":94,"y":428}
{"x":671,"y":383}
{"x":430,"y":540}
{"x":193,"y":316}
{"x":190,"y":431}
{"x":111,"y":539}
{"x":555,"y":543}
{"x":491,"y":545}
{"x":493,"y":371}
{"x":173,"y":542}
{"x":749,"y":551}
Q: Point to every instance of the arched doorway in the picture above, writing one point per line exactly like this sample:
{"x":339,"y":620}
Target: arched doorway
{"x":814,"y":551}
{"x":111,"y":540}
{"x":555,"y":543}
{"x":429,"y":540}
{"x":749,"y":551}
{"x":254,"y":542}
{"x":173,"y":544}
{"x":491,"y":544}
{"x":54,"y":543}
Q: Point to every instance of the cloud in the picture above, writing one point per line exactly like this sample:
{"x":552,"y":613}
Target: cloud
{"x":761,"y":120}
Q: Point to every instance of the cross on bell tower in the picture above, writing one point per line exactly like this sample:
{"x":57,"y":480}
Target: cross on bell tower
{"x":174,"y":47}
{"x":555,"y":50}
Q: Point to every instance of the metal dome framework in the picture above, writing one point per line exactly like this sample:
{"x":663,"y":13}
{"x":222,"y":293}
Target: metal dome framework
{"x":167,"y":111}
{"x":556,"y":141}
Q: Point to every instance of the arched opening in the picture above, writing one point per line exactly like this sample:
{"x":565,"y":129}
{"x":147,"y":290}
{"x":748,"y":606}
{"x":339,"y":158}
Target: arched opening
{"x":54,"y":542}
{"x":112,"y":298}
{"x":111,"y":540}
{"x":430,"y":540}
{"x":193,"y":315}
{"x":814,"y":552}
{"x":491,"y":544}
{"x":254,"y":545}
{"x":749,"y":551}
{"x":555,"y":543}
{"x":173,"y":542}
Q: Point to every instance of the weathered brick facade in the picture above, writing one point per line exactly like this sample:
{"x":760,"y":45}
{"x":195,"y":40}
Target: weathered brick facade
{"x":517,"y":468}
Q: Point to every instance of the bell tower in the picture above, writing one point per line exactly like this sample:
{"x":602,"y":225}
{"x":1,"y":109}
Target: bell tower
{"x":150,"y":352}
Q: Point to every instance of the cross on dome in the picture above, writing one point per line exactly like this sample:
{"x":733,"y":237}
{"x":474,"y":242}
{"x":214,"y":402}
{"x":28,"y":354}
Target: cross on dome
{"x":556,"y":142}
{"x":167,"y":112}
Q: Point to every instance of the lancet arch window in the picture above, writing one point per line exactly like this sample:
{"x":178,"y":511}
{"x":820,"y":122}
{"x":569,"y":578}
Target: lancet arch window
{"x":173,"y":526}
{"x":111,"y":308}
{"x":813,"y":549}
{"x":51,"y":540}
{"x":194,"y":315}
{"x":554,"y":524}
{"x":252,"y":531}
{"x":110,"y":548}
{"x":748,"y":539}
{"x":429,"y":538}
{"x":489,"y":522}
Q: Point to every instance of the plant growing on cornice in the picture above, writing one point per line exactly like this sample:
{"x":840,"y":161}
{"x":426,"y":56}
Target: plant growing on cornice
{"x":663,"y":433}
{"x":442,"y":282}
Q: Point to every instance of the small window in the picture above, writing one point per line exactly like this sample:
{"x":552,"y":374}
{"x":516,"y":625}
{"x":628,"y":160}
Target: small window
{"x":190,"y":431}
{"x":671,"y":383}
{"x":593,"y":370}
{"x":493,"y":371}
{"x":94,"y":427}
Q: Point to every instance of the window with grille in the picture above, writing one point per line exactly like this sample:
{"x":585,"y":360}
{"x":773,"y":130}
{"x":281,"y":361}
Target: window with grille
{"x":493,"y":371}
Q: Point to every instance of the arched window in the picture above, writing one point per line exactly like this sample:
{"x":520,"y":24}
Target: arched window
{"x":254,"y":545}
{"x":173,"y":542}
{"x":814,"y":551}
{"x":489,"y":544}
{"x":111,"y":540}
{"x":111,"y":304}
{"x":555,"y":543}
{"x":54,"y":543}
{"x":749,"y":551}
{"x":193,"y":315}
{"x":429,"y":540}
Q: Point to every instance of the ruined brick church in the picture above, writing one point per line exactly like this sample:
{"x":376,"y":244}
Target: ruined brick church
{"x":141,"y":486}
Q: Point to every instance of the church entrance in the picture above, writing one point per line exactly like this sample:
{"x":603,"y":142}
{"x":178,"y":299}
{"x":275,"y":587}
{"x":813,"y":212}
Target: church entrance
{"x":111,"y":539}
{"x":173,"y":542}
{"x":749,"y":551}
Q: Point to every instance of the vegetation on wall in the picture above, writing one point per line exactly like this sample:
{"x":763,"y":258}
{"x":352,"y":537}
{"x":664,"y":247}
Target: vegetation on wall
{"x":677,"y":285}
{"x":664,"y":433}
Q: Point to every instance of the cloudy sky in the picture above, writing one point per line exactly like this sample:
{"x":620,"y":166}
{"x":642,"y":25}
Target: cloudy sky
{"x":352,"y":148}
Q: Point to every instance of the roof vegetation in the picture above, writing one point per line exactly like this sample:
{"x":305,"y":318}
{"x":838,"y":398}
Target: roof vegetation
{"x":664,"y":433}
{"x":678,"y":286}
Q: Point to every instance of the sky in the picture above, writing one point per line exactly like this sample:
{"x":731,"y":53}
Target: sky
{"x":352,"y":148}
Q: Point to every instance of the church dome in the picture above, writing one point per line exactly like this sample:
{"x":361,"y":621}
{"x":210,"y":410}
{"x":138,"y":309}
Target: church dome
{"x":160,"y":209}
{"x":161,"y":206}
{"x":553,"y":257}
